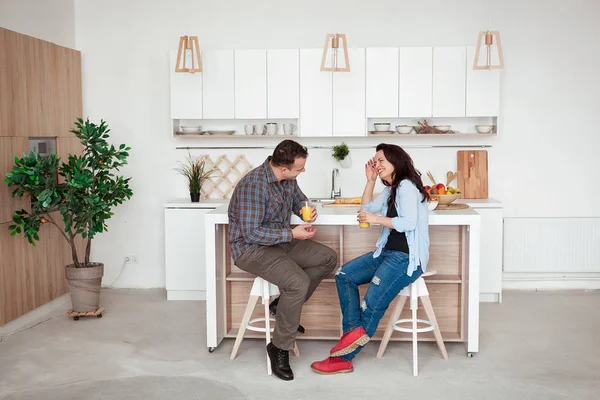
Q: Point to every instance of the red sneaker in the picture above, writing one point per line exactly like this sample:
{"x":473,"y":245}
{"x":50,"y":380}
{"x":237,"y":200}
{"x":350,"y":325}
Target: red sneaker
{"x":349,"y":342}
{"x":332,"y":365}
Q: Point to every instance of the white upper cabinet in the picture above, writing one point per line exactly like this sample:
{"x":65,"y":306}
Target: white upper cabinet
{"x":250,"y":84}
{"x":415,"y":82}
{"x":483,"y":89}
{"x":316,"y":95}
{"x":349,"y":97}
{"x":283,"y":83}
{"x":218,"y":84}
{"x":382,"y":82}
{"x":186,"y":92}
{"x":449,"y":81}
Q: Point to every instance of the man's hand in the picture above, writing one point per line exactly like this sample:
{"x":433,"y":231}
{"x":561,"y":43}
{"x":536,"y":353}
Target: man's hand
{"x":303,"y":232}
{"x":313,"y":214}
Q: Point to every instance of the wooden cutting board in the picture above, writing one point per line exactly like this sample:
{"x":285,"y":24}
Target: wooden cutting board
{"x":473,"y":173}
{"x":340,"y":205}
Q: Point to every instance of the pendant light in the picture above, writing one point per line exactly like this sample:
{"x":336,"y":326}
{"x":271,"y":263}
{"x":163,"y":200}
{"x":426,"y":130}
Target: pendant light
{"x":333,"y":41}
{"x":188,"y":49}
{"x":492,"y":45}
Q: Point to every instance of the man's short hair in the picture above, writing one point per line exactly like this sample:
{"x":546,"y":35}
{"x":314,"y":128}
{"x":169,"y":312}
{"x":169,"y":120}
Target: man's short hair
{"x":287,"y":152}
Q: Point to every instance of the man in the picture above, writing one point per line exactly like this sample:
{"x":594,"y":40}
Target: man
{"x":263,"y":243}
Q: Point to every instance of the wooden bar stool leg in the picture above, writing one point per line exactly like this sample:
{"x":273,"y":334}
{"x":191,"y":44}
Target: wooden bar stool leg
{"x":414,"y":301}
{"x":400,"y":302}
{"x":252,"y":300}
{"x":266,"y":298}
{"x":295,"y":349}
{"x":436,"y":329}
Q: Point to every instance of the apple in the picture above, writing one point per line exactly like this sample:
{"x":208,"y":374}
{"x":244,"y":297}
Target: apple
{"x":441,"y":186}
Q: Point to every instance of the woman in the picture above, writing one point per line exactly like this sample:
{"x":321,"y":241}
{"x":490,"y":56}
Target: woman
{"x":400,"y":257}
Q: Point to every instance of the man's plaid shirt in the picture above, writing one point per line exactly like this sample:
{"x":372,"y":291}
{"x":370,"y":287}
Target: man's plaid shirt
{"x":260,"y":210}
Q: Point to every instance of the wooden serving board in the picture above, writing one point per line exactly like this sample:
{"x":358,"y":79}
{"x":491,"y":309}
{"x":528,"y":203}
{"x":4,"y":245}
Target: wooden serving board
{"x":472,"y":177}
{"x":340,"y":205}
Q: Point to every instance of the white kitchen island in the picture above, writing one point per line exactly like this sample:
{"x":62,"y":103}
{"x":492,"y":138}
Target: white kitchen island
{"x":454,"y":289}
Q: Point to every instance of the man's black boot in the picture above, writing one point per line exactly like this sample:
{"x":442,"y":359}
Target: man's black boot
{"x":280,"y":362}
{"x":273,"y":311}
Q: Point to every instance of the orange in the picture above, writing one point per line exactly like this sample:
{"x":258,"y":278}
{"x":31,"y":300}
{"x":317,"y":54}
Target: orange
{"x":441,"y":191}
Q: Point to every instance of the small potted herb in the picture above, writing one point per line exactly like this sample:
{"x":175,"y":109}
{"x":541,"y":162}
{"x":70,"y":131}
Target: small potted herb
{"x":341,"y":153}
{"x":196,"y":174}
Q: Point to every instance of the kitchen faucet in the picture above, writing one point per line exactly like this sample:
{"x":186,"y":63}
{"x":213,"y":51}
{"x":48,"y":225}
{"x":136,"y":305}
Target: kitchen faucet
{"x":338,"y":192}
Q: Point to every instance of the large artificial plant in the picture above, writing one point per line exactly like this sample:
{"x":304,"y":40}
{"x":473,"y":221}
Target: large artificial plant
{"x":84,"y":195}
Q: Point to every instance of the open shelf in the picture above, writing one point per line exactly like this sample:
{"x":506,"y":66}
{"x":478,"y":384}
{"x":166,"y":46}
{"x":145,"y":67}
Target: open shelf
{"x":437,"y":135}
{"x":443,"y":279}
{"x":312,"y":334}
{"x":233,"y":135}
{"x":247,"y":277}
{"x":335,"y":334}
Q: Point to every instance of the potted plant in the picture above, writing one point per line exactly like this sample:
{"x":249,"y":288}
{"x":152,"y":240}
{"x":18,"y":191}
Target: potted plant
{"x":196,"y":174}
{"x":84,"y":196}
{"x":341,"y":153}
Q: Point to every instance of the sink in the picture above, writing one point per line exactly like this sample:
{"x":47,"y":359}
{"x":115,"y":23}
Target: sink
{"x":321,"y":200}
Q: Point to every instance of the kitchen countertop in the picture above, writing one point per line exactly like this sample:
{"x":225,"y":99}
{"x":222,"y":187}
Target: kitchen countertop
{"x":347,"y":216}
{"x":186,"y":203}
{"x":214,"y":203}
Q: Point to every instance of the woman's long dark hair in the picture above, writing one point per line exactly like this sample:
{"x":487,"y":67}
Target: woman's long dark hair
{"x":403,"y":169}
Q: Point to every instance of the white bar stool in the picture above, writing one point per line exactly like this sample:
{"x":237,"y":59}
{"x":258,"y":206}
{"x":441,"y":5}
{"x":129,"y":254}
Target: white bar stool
{"x":263,"y":290}
{"x":415,"y":291}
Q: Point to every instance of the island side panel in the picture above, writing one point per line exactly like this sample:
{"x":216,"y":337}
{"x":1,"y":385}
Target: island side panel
{"x":321,"y":315}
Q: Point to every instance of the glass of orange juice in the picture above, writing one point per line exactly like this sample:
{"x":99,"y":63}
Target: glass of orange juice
{"x":306,"y":211}
{"x":363,"y":224}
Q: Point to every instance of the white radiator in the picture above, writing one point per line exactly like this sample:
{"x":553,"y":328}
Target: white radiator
{"x":552,"y":244}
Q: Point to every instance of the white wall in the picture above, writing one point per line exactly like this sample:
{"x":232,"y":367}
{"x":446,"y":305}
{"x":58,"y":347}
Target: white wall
{"x":543,"y":163}
{"x":53,"y":21}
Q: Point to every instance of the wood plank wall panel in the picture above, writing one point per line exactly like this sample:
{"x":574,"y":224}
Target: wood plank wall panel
{"x":44,"y":89}
{"x":13,"y":96}
{"x":41,"y":96}
{"x":9,"y":148}
{"x":32,"y":276}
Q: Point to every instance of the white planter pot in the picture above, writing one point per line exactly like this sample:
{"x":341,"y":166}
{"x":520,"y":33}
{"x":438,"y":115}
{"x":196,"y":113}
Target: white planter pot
{"x":346,"y":162}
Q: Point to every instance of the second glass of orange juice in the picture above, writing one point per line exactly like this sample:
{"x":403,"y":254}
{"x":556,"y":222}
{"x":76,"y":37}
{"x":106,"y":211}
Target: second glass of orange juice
{"x":363,"y":224}
{"x":306,"y":211}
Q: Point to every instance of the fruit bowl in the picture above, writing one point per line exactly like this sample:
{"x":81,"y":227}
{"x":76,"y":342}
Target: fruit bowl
{"x":444,"y":199}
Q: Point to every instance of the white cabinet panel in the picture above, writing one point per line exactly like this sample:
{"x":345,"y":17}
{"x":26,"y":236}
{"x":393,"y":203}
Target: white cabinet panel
{"x":349,"y":97}
{"x":218,"y":84}
{"x":250,"y":84}
{"x":185,"y":253}
{"x":491,"y":250}
{"x":449,"y":81}
{"x":382,"y":82}
{"x":186,"y":92}
{"x":415,"y":82}
{"x":483,"y":89}
{"x":316,"y":95}
{"x":283,"y":83}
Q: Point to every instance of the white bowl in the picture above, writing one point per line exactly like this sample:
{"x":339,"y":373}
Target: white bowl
{"x":404,"y":128}
{"x":484,"y":128}
{"x":382,"y":127}
{"x":443,"y":128}
{"x":432,"y":204}
{"x":190,"y":128}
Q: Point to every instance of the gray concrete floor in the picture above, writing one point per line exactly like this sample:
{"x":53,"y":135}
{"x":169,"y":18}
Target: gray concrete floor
{"x":536,"y":345}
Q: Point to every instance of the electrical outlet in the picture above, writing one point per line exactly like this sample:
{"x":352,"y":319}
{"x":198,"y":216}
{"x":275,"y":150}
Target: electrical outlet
{"x":130,"y":259}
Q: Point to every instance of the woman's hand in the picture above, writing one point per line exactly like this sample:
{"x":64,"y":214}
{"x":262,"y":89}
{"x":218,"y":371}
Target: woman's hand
{"x":370,"y":171}
{"x":366,"y":216}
